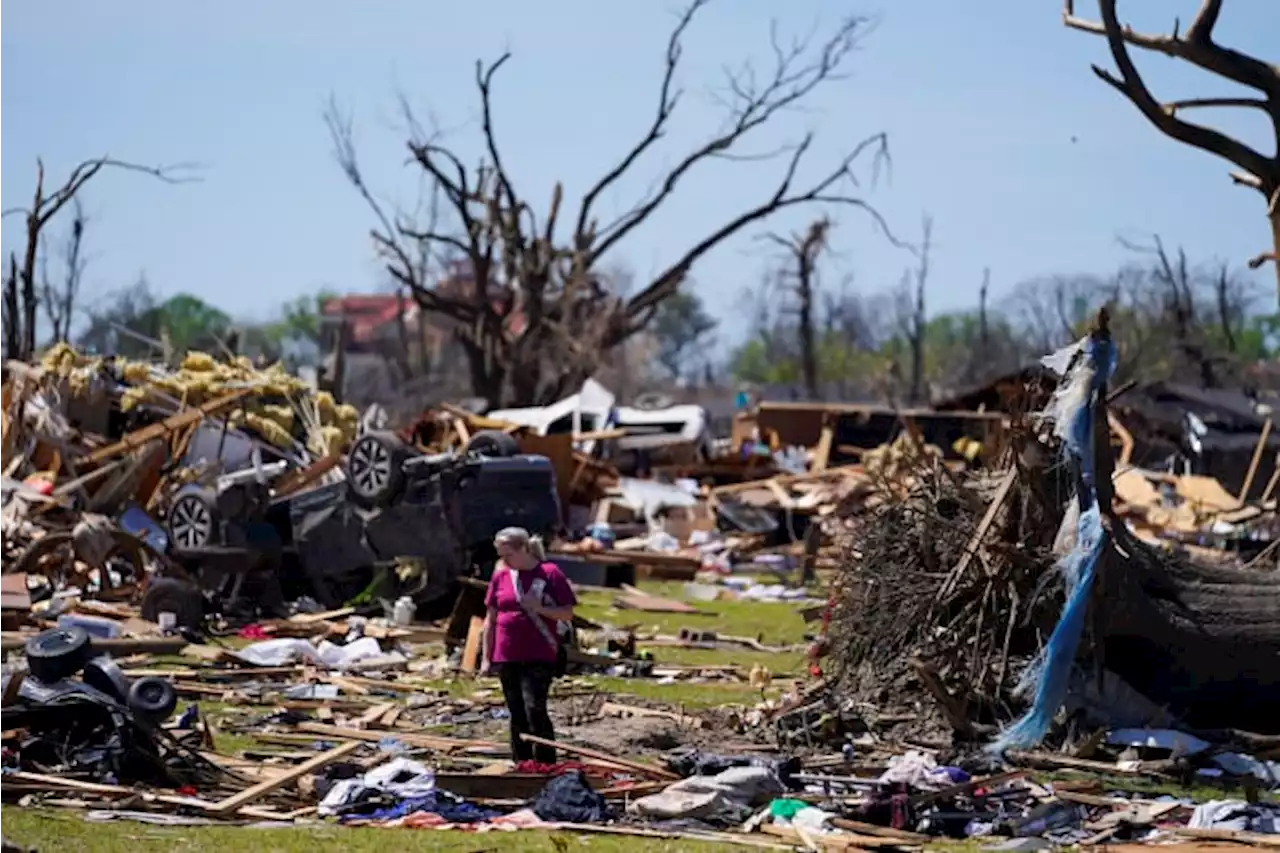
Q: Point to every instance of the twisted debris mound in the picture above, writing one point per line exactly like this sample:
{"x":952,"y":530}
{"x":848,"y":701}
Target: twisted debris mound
{"x":920,"y":630}
{"x":912,"y":616}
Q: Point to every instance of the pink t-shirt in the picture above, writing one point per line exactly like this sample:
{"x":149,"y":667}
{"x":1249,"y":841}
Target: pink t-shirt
{"x":518,"y":639}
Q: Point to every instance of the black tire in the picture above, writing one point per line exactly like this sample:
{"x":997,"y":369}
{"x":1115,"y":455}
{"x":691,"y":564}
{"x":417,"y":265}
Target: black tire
{"x":103,"y":673}
{"x":374,"y":469}
{"x":493,"y":443}
{"x":170,"y":595}
{"x":58,"y":653}
{"x":193,"y":519}
{"x":153,"y":699}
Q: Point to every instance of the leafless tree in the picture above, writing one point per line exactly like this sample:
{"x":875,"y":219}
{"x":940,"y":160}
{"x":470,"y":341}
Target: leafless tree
{"x":59,"y":297}
{"x":1174,"y":274}
{"x":21,"y":296}
{"x":912,"y":316}
{"x":534,"y":318}
{"x":981,"y":359}
{"x":1197,"y":47}
{"x":800,"y":276}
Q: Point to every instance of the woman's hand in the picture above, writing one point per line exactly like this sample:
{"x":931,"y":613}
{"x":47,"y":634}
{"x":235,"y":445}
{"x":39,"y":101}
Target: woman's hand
{"x":532,"y":603}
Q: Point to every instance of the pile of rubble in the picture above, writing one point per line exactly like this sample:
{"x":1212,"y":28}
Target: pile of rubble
{"x":209,"y":552}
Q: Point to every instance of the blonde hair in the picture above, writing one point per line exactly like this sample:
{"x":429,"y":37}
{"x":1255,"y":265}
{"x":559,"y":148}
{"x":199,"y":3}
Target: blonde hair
{"x":520,"y":538}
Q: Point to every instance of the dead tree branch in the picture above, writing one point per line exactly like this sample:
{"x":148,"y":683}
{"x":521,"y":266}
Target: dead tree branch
{"x":21,"y":297}
{"x":1197,"y":47}
{"x":59,"y":299}
{"x":529,"y":310}
{"x":802,"y":252}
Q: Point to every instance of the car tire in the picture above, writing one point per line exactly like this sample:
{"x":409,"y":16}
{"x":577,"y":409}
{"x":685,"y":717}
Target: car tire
{"x":493,"y":443}
{"x":374,"y":468}
{"x":153,"y":699}
{"x":171,"y":595}
{"x":193,"y":519}
{"x":58,"y":653}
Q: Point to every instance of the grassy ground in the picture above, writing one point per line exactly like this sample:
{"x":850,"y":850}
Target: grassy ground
{"x":49,"y":831}
{"x":772,"y":624}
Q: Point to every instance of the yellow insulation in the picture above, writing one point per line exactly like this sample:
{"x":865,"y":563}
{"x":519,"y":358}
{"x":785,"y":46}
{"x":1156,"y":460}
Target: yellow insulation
{"x":201,"y":377}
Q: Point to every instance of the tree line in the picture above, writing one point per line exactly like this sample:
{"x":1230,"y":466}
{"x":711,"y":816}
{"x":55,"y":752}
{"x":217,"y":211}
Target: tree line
{"x":530,"y":292}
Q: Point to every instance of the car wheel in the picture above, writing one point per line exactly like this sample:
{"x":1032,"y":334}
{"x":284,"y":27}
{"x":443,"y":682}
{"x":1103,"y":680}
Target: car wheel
{"x":373,"y":468}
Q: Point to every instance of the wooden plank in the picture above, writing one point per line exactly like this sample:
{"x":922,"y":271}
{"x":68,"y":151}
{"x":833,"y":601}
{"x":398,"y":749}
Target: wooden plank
{"x":46,"y":781}
{"x":373,"y":717}
{"x":1254,"y":462}
{"x":444,"y":744}
{"x":267,"y":786}
{"x":187,"y":417}
{"x":979,"y":533}
{"x":822,"y":453}
{"x":471,"y":651}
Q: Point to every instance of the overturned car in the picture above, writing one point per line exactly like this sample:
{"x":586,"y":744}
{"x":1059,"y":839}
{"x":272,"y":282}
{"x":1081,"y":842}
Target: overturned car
{"x":395,"y":508}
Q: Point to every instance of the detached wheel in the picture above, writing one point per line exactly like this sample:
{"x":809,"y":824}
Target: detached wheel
{"x":374,"y":472}
{"x":58,"y":653}
{"x":493,"y":443}
{"x":153,"y":699}
{"x":193,"y":518}
{"x":171,"y":595}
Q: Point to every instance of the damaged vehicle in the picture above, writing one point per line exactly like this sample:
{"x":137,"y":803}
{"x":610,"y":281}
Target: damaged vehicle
{"x":398,"y":522}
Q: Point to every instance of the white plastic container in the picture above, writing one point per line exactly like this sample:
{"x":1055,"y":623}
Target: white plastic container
{"x":402,"y":613}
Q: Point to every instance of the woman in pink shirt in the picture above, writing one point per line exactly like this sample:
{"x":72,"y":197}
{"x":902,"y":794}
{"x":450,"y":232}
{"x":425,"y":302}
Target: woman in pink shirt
{"x":527,"y":598}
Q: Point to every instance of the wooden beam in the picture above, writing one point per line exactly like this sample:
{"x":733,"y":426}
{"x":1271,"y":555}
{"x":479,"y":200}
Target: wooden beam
{"x":267,"y":786}
{"x":1253,"y":463}
{"x":187,"y":417}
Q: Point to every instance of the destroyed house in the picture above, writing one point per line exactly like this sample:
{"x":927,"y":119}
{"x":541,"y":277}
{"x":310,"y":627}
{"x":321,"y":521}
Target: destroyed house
{"x":1024,"y":390}
{"x":1209,"y":431}
{"x":858,"y":428}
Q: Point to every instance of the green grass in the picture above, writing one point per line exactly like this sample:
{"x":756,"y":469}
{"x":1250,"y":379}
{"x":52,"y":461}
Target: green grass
{"x":774,"y":624}
{"x":691,"y":695}
{"x":48,"y":830}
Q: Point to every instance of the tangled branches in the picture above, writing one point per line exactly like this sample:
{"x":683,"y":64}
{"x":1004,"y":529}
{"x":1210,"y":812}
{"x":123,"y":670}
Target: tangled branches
{"x":903,"y":615}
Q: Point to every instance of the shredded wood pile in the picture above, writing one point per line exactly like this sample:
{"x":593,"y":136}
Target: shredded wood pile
{"x":912,"y":613}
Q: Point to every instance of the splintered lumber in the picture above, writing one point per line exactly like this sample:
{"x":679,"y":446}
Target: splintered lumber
{"x":375,"y":715}
{"x":266,"y":786}
{"x":861,"y":828}
{"x":42,"y":780}
{"x":979,"y":534}
{"x":635,"y":599}
{"x":1255,"y":461}
{"x":471,"y":651}
{"x":442,"y":744}
{"x":187,"y":417}
{"x":647,"y":769}
{"x":965,"y":787}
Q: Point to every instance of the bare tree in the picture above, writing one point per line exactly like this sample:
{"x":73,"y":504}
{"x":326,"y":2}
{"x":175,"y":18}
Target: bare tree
{"x":1198,"y":48}
{"x":21,"y":297}
{"x":981,"y":360}
{"x":803,"y":251}
{"x":59,"y":297}
{"x":536,"y":319}
{"x":1174,"y":275}
{"x":912,"y":313}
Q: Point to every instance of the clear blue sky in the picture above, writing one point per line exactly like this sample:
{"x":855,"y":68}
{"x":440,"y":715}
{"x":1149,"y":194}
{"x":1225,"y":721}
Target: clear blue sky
{"x":1028,"y":164}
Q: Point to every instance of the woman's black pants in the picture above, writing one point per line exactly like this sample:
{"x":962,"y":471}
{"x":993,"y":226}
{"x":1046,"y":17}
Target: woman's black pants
{"x":526,"y":687}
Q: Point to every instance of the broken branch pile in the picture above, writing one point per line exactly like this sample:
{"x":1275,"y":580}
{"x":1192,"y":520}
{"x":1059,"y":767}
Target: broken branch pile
{"x":941,"y":589}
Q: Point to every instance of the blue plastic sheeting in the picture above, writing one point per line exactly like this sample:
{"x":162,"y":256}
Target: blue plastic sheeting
{"x":1071,"y":410}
